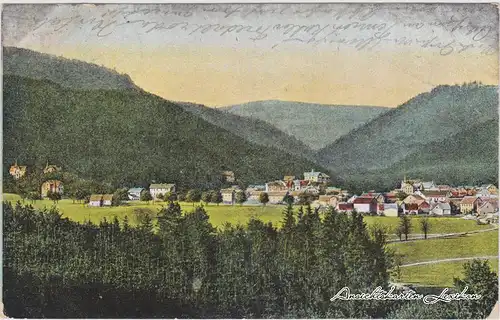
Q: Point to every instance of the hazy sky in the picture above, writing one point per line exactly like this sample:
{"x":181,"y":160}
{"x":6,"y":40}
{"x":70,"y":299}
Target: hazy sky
{"x":227,"y":54}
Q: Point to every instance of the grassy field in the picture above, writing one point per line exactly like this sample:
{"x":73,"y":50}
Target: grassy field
{"x":480,"y":244}
{"x":439,"y":274}
{"x":218,"y":214}
{"x":442,"y":274}
{"x":232,"y":214}
{"x":438,"y":225}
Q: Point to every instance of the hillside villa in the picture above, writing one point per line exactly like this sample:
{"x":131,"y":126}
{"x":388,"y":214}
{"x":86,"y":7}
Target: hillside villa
{"x":315,"y":176}
{"x":51,"y":168}
{"x":17,"y":171}
{"x":54,"y":186}
{"x":160,"y":188}
{"x":228,"y":176}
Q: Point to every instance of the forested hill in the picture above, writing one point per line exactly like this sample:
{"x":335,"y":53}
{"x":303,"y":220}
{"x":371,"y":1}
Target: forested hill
{"x":409,"y":131}
{"x":468,"y":157}
{"x":317,"y":125}
{"x":128,"y":138}
{"x":251,"y":129}
{"x":65,"y":72}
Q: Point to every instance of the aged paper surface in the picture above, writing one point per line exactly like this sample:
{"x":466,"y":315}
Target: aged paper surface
{"x":250,"y":160}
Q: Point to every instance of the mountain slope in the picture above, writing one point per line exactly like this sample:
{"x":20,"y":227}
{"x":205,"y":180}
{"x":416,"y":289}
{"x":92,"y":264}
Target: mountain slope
{"x":252,"y":130}
{"x":464,"y":157}
{"x":65,"y":72}
{"x":315,"y":124}
{"x":128,"y":138}
{"x":469,"y":157}
{"x":411,"y":128}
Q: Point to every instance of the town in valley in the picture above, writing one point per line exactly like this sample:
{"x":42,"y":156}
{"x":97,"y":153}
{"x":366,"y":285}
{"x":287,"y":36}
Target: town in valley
{"x":413,"y":197}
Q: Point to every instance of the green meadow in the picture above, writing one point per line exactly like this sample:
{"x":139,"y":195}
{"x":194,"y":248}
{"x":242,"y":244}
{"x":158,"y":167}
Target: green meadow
{"x":437,"y":275}
{"x":234,"y":214}
{"x":440,"y":274}
{"x":473,"y":245}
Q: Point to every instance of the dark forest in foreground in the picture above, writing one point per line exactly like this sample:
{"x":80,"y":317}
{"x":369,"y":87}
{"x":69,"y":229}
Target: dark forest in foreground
{"x":185,"y":268}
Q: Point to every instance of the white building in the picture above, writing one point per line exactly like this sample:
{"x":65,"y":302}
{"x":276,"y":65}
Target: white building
{"x":441,"y":209}
{"x":315,"y":176}
{"x":107,"y":200}
{"x":228,"y":196}
{"x":161,"y":188}
{"x":95,"y":200}
{"x":134,"y":193}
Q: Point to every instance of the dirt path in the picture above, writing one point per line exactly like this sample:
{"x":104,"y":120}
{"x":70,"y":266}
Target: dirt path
{"x":444,"y":235}
{"x":447,"y":260}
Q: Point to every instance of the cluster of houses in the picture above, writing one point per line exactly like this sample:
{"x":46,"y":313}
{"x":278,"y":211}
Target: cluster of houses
{"x":96,"y":200}
{"x":157,"y":190}
{"x":413,"y":197}
{"x":424,"y":198}
{"x":313,"y":183}
{"x":54,"y":186}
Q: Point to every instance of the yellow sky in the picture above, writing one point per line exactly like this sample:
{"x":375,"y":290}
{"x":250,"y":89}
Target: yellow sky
{"x":223,"y":76}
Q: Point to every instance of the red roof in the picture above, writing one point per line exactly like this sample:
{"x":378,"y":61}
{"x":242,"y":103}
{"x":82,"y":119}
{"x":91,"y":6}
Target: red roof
{"x":468,"y":200}
{"x":456,"y":194}
{"x":424,"y":205}
{"x":416,"y":197}
{"x":411,"y":206}
{"x":484,"y":200}
{"x":434,"y":193}
{"x":360,"y":200}
{"x":345,"y":206}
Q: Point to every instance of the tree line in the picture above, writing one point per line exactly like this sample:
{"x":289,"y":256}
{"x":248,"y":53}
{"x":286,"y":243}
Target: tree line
{"x":183,"y":267}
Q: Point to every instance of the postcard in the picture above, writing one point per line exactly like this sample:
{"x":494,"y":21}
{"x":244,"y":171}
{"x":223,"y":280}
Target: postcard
{"x":292,"y":160}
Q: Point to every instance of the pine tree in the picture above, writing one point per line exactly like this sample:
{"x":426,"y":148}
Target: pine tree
{"x":479,"y":279}
{"x":241,"y":197}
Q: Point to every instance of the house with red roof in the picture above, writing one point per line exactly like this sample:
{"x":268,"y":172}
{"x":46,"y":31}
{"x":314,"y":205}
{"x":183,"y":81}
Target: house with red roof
{"x":468,"y":204}
{"x":378,"y":196}
{"x":299,"y":185}
{"x":413,"y":198}
{"x":345,"y":207}
{"x":390,"y":197}
{"x":366,"y":204}
{"x":424,"y":207}
{"x":410,"y":208}
{"x":434,"y":195}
